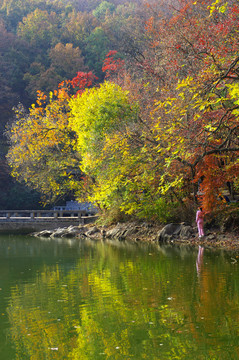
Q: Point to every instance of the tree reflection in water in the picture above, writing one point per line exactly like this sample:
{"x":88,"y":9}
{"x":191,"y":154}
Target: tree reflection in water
{"x":128,"y":302}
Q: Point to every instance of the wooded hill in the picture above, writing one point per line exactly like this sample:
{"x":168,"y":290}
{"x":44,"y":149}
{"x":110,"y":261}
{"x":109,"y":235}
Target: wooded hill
{"x":137,"y":104}
{"x":43,"y":42}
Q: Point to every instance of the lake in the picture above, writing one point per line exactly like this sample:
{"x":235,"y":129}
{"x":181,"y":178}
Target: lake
{"x":87,"y":300}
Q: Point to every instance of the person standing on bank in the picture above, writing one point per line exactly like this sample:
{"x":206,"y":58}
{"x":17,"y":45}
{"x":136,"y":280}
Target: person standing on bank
{"x":199,"y":221}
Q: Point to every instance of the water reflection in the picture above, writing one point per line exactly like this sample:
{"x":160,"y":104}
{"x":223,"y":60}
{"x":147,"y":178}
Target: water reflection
{"x":199,"y":261}
{"x":114,"y":300}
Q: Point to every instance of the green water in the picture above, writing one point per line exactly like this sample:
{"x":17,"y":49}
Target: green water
{"x":65,"y":299}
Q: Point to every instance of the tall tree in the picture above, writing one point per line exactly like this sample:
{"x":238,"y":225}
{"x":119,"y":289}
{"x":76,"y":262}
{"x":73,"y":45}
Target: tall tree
{"x":42,"y":152}
{"x":78,"y":27}
{"x":197,"y":111}
{"x":64,"y":62}
{"x":40,"y":29}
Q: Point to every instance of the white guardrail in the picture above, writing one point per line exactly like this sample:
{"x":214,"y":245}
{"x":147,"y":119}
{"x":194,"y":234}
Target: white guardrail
{"x":47,"y":214}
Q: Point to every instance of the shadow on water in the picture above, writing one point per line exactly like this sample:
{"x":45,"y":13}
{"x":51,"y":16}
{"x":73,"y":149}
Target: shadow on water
{"x":71,"y":299}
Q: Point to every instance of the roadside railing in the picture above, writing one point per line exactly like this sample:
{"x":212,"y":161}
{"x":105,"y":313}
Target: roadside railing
{"x":40,"y":214}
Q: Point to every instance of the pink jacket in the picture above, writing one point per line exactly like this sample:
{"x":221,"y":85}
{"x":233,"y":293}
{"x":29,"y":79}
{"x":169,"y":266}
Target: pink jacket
{"x":199,"y":216}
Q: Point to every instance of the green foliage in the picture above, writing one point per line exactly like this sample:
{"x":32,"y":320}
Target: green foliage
{"x":113,"y":215}
{"x":104,"y":9}
{"x":161,"y":210}
{"x":18,"y":196}
{"x":97,"y":46}
{"x":77,"y":27}
{"x":39,"y":28}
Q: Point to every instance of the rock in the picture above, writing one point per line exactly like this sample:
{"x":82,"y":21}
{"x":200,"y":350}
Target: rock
{"x":211,"y":237}
{"x":70,"y":232}
{"x":59,"y":232}
{"x":44,"y":233}
{"x":117,"y":232}
{"x":230,"y":223}
{"x":186,"y":232}
{"x":167,"y":238}
{"x":73,"y":231}
{"x":175,"y":231}
{"x":130,"y":231}
{"x":166,"y":233}
{"x":126,"y":231}
{"x":93,"y":232}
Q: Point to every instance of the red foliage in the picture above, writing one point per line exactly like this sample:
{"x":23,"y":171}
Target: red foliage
{"x":83,"y":80}
{"x":112,"y":65}
{"x":216,"y":172}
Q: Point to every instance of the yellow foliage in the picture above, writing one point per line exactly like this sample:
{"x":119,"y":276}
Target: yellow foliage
{"x":42,"y":147}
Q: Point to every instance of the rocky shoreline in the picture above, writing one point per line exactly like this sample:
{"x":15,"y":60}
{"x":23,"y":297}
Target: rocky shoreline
{"x":175,"y":233}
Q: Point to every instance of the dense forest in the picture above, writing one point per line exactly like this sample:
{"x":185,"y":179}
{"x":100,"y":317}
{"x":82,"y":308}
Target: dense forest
{"x":43,"y":42}
{"x":131,"y":105}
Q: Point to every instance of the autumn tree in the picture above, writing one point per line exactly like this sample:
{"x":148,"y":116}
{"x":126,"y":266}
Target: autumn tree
{"x":77,"y":27}
{"x":165,"y":121}
{"x":104,"y":9}
{"x":42,"y":152}
{"x":192,"y":68}
{"x":126,"y":30}
{"x":40,"y":28}
{"x":199,"y":120}
{"x":96,"y":116}
{"x":190,"y":71}
{"x":65,"y":61}
{"x":14,"y":10}
{"x":43,"y":147}
{"x":98,"y":45}
{"x":13,"y":64}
